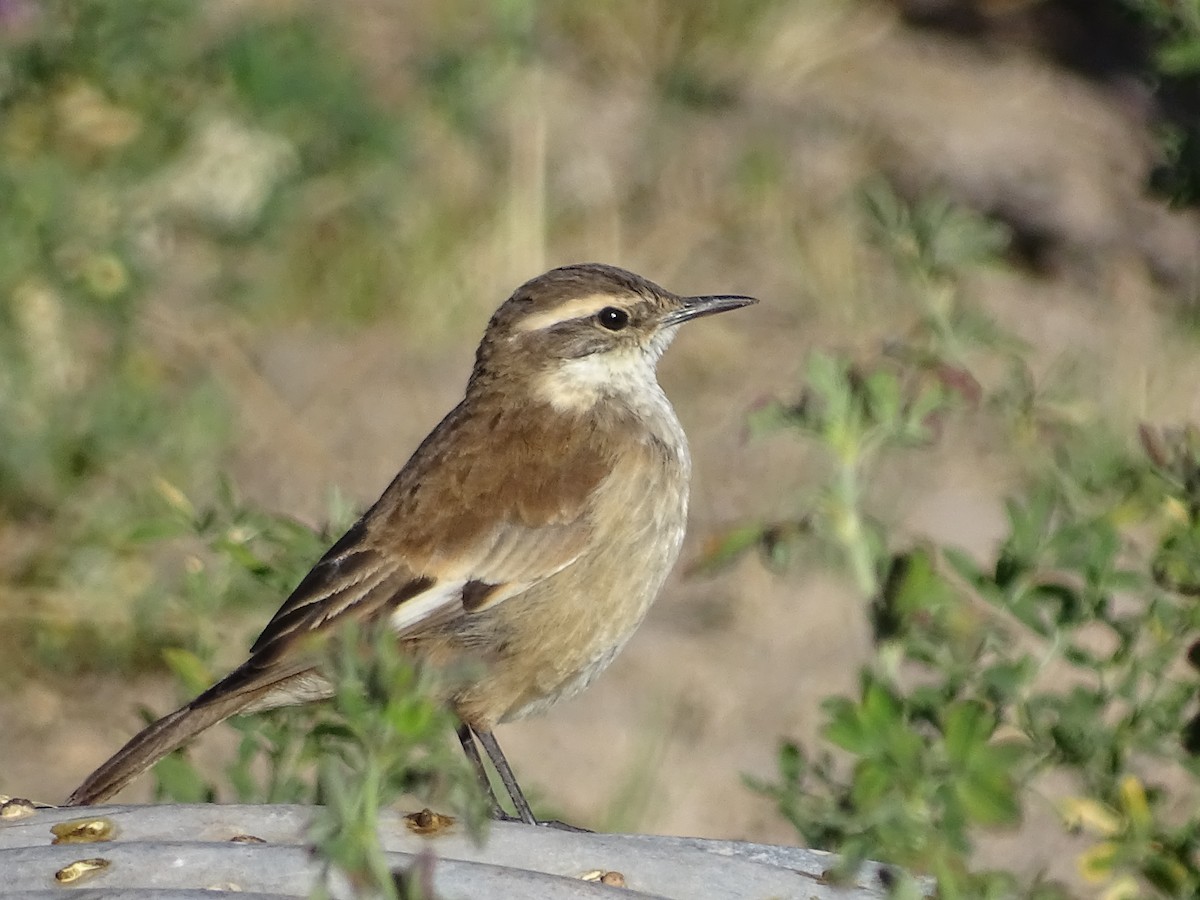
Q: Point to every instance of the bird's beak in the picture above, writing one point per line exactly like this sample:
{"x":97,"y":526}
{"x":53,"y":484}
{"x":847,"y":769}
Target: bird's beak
{"x":694,"y":307}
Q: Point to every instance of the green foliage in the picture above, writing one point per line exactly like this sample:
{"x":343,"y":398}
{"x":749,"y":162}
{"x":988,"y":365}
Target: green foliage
{"x":932,"y":238}
{"x":855,"y":415}
{"x":109,"y":116}
{"x":287,"y":78}
{"x":926,"y":772}
{"x":1178,"y":23}
{"x":78,"y":394}
{"x":1062,"y":654}
{"x":383,"y":736}
{"x":1174,"y":26}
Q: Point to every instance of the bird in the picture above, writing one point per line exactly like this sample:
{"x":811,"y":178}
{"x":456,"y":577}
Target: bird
{"x":524,"y":540}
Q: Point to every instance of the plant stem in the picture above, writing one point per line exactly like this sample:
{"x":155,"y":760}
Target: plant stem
{"x":851,"y":530}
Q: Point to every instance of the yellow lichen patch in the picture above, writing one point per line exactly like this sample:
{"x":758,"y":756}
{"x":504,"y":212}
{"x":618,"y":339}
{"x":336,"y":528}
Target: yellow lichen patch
{"x":16,"y":808}
{"x":83,"y":831}
{"x":81,"y":868}
{"x":427,"y":822}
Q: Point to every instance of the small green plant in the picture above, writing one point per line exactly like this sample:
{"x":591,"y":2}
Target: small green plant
{"x":927,"y":768}
{"x":1064,"y":653}
{"x":382,"y":736}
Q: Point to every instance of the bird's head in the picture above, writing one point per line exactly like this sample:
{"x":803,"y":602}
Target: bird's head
{"x":580,"y":332}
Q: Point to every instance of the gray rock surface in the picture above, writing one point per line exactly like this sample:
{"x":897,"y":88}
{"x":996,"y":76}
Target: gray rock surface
{"x":178,"y":852}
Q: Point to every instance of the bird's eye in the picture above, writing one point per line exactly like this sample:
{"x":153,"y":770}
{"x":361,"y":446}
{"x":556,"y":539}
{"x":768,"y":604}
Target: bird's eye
{"x":612,"y":318}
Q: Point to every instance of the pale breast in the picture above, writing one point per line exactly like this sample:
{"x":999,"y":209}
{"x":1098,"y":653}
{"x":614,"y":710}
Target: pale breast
{"x":551,"y":641}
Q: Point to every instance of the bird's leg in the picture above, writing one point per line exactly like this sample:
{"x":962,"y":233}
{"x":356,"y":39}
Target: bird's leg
{"x":488,"y":740}
{"x":467,"y":739}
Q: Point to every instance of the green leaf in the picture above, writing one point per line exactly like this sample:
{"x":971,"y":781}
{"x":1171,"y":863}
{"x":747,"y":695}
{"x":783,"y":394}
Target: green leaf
{"x":880,"y":710}
{"x":872,"y":783}
{"x":916,"y":600}
{"x":907,"y":750}
{"x":1180,"y":58}
{"x":845,"y":727}
{"x":1004,"y":680}
{"x":989,"y":796}
{"x":792,"y":763}
{"x":967,"y":727}
{"x":883,"y":395}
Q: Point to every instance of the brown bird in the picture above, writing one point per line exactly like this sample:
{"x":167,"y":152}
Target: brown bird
{"x":526,"y":537}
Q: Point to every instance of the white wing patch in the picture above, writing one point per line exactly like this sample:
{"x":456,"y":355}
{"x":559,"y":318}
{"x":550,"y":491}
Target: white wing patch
{"x":416,"y":609}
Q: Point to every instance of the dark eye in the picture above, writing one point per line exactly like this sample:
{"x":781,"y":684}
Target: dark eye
{"x":612,"y":318}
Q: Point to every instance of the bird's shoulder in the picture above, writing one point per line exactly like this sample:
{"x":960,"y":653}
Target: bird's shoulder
{"x":520,"y":463}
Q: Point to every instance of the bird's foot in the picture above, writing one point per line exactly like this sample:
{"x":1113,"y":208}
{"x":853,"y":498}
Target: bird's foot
{"x":548,"y":823}
{"x":564,"y":826}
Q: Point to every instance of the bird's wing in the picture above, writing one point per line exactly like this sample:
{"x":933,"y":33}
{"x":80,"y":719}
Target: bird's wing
{"x":461,"y":528}
{"x":368,"y":583}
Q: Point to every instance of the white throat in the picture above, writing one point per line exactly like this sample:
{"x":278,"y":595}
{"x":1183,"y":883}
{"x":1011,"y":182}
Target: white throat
{"x":628,"y":375}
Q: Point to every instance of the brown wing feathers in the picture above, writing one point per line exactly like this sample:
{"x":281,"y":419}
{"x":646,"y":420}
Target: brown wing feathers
{"x":489,"y":525}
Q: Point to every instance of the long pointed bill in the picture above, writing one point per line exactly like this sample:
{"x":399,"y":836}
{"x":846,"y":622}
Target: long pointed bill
{"x":694,"y":307}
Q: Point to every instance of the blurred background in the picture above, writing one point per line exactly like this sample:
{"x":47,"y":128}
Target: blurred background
{"x":247,"y":249}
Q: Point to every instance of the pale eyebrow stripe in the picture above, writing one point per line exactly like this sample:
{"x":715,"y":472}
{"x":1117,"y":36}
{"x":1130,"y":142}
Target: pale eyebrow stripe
{"x":572,"y":309}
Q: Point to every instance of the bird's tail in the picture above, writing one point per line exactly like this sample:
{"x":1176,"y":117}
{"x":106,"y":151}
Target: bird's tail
{"x":169,"y":733}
